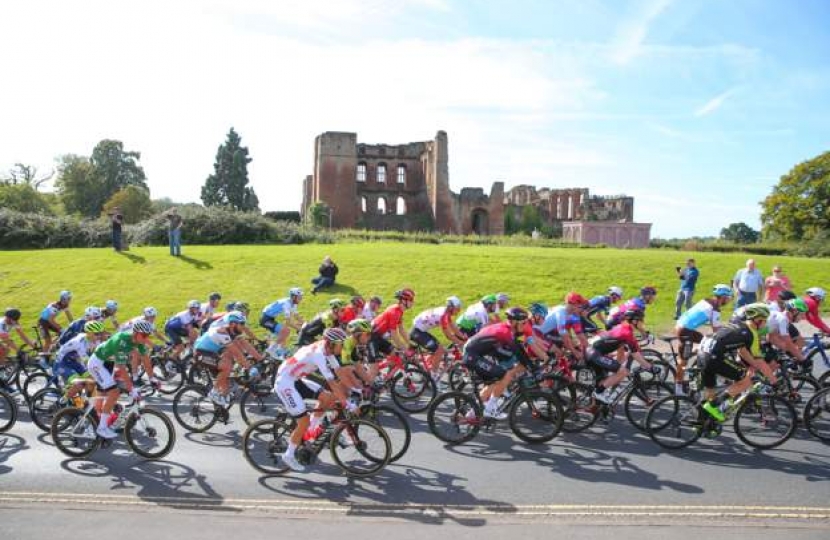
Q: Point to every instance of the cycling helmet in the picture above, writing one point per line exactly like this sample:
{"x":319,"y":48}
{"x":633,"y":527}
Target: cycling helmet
{"x":92,"y":312}
{"x":376,"y":299}
{"x":142,"y":327}
{"x":359,"y":326}
{"x":336,"y":303}
{"x":489,"y":300}
{"x":214,"y":296}
{"x":575,"y":299}
{"x":648,"y":290}
{"x":516,"y":314}
{"x":150,"y":311}
{"x":111,"y":305}
{"x":295,"y":291}
{"x":236,"y":317}
{"x":230,"y":306}
{"x":633,"y":315}
{"x":335,"y":335}
{"x":358,"y":301}
{"x":405,"y":294}
{"x":786,"y":295}
{"x":756,"y":311}
{"x":502,"y":298}
{"x":537,"y":308}
{"x":816,"y":292}
{"x":13,"y":314}
{"x":194,"y":304}
{"x":454,"y":302}
{"x":797,"y":304}
{"x":94,"y":327}
{"x":615,"y":291}
{"x":722,"y":290}
{"x":242,"y":306}
{"x":65,"y":296}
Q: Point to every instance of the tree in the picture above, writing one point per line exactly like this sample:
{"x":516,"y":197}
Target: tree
{"x":24,"y":198}
{"x":22,"y":174}
{"x":318,"y":214}
{"x":134,"y":203}
{"x":79,"y":189}
{"x":740,"y":233}
{"x":799,"y":206}
{"x":531,"y":219}
{"x":228,"y":185}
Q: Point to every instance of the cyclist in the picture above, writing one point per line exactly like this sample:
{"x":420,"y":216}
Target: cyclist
{"x":313,"y":329}
{"x":427,"y":320}
{"x":109,"y":311}
{"x":813,"y":297}
{"x":598,"y":307}
{"x":182,"y":326}
{"x":354,"y":355}
{"x":733,"y":352}
{"x":293,"y":387}
{"x":207,"y":309}
{"x":389,"y":322}
{"x":370,"y":310}
{"x":70,"y":360}
{"x":287,"y":308}
{"x":108,"y":363}
{"x":478,"y":315}
{"x":149,"y":315}
{"x":11,"y":321}
{"x":620,"y":339}
{"x":91,"y":313}
{"x":538,"y":314}
{"x":490,"y":353}
{"x":707,"y":311}
{"x":639,"y":303}
{"x":564,"y":319}
{"x":244,"y":344}
{"x":215,"y":348}
{"x":782,"y":333}
{"x":352,"y":311}
{"x":47,"y":323}
{"x":502,"y":300}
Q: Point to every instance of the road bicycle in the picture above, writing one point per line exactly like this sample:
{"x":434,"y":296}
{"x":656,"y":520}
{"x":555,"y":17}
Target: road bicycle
{"x":817,"y":415}
{"x":8,"y":411}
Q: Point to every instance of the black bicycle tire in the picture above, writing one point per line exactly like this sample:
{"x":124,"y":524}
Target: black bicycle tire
{"x":264,"y":426}
{"x":650,"y":414}
{"x":666,"y":387}
{"x":36,"y":418}
{"x":371,"y":413}
{"x":408,"y":404}
{"x":177,"y":400}
{"x":459,"y":396}
{"x":53,"y":431}
{"x":809,"y":417}
{"x":257,"y":393}
{"x":356,"y":425}
{"x":11,"y":406}
{"x":526,"y":397}
{"x":783,"y":402}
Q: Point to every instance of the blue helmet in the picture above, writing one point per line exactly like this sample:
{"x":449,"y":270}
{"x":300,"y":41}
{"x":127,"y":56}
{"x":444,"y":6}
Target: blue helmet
{"x":722,"y":290}
{"x":537,"y":308}
{"x":237,"y":317}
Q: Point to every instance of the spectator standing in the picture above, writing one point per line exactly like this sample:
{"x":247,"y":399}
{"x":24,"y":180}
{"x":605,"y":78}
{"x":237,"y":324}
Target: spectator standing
{"x":175,"y":232}
{"x":776,"y":283}
{"x":748,"y":283}
{"x":688,"y":281}
{"x":117,"y":220}
{"x":328,"y":272}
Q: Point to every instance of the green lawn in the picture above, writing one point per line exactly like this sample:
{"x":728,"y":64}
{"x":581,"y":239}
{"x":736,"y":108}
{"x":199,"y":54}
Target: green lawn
{"x":261,"y":274}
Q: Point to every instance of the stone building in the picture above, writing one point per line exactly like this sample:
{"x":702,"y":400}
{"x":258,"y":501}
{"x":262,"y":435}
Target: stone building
{"x":560,"y":205}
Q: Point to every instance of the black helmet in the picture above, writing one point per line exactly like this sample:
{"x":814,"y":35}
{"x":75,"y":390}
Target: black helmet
{"x":215,"y":296}
{"x":786,"y":296}
{"x":633,"y":315}
{"x":13,"y":314}
{"x":516,"y":314}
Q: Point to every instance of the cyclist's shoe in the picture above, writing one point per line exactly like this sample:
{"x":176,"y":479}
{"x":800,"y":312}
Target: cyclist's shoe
{"x":218,"y":398}
{"x":292,"y":462}
{"x":602,"y":397}
{"x":495,"y":414}
{"x":105,"y":432}
{"x":714,"y":411}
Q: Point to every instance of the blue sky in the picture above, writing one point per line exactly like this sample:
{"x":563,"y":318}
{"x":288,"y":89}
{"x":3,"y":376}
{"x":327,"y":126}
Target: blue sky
{"x":695,"y":107}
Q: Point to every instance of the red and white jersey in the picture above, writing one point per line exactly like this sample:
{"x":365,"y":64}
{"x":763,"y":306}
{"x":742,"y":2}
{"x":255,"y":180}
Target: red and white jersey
{"x":307,"y":360}
{"x":429,"y":319}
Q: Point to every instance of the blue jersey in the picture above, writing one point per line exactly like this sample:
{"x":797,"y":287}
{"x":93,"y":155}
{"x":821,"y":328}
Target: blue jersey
{"x":560,"y":321}
{"x":688,"y":279}
{"x":52,"y":309}
{"x":74,"y":328}
{"x":182,"y":319}
{"x":599,"y":303}
{"x":283,"y":306}
{"x":699,"y":314}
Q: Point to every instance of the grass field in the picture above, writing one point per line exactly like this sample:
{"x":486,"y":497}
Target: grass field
{"x":261,"y":274}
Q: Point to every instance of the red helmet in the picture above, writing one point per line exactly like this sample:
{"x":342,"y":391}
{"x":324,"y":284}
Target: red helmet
{"x":358,"y":301}
{"x":575,"y":299}
{"x":405,"y":294}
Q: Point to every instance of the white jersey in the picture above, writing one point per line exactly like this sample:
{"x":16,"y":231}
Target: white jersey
{"x":774,"y":307}
{"x":478,"y":313}
{"x":779,"y":323}
{"x":128,"y":326}
{"x":368,"y":314}
{"x":78,"y":345}
{"x":307,"y":360}
{"x":6,"y":327}
{"x":205,"y":310}
{"x":429,"y":319}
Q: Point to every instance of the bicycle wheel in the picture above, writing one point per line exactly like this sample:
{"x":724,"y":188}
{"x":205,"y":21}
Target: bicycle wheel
{"x":360,"y":447}
{"x":817,"y":415}
{"x":454,"y":417}
{"x":765,"y":421}
{"x":413,"y":389}
{"x":803,"y":388}
{"x":459,"y":377}
{"x":44,"y":405}
{"x":578,"y":409}
{"x":199,"y":374}
{"x":170,"y":375}
{"x":643,"y":396}
{"x":824,"y":380}
{"x":193,"y":409}
{"x":263,"y":444}
{"x":8,"y":411}
{"x":674,"y":422}
{"x":73,"y":432}
{"x":150,"y":433}
{"x":35,"y":382}
{"x":394,"y":424}
{"x":536,"y":416}
{"x":261,"y":403}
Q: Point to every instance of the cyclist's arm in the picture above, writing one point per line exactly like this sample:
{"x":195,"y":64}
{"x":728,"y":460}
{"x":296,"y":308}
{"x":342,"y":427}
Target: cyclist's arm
{"x":815,"y":319}
{"x":115,"y":323}
{"x":68,"y":315}
{"x":758,"y":364}
{"x":537,"y":349}
{"x":640,"y":359}
{"x":786,"y":344}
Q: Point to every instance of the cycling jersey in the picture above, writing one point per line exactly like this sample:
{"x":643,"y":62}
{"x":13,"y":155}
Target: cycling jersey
{"x":497,"y":340}
{"x":52,"y":309}
{"x":347,"y":314}
{"x":813,"y":317}
{"x":617,"y":314}
{"x":389,"y":320}
{"x":598,"y":303}
{"x":224,"y":321}
{"x":431,"y":318}
{"x":474,"y":318}
{"x":74,"y":328}
{"x":181,"y":319}
{"x":6,"y":327}
{"x":352,"y":353}
{"x":77,"y":347}
{"x":306,"y":360}
{"x":779,"y":323}
{"x":118,"y":348}
{"x":368,"y":314}
{"x":206,"y":310}
{"x":559,"y":321}
{"x":701,"y":313}
{"x":621,"y":335}
{"x":730,"y":339}
{"x":213,"y":341}
{"x":283,"y":306}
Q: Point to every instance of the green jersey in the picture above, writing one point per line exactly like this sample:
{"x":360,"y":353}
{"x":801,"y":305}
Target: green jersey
{"x":118,"y":348}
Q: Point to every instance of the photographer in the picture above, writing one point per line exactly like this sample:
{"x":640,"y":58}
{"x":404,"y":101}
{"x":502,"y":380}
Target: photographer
{"x":117,"y":220}
{"x":688,"y":280}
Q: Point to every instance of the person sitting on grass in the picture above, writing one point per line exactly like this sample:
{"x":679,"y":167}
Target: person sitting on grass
{"x":328,"y":272}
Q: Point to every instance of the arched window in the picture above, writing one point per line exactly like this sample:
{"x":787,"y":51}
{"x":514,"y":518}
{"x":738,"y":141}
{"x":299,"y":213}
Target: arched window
{"x":400,"y":206}
{"x":402,"y":174}
{"x":361,"y":172}
{"x":381,"y":205}
{"x":363,"y":204}
{"x":381,"y":173}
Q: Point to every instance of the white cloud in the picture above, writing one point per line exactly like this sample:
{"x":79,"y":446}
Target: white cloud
{"x":632,"y":32}
{"x":715,"y":103}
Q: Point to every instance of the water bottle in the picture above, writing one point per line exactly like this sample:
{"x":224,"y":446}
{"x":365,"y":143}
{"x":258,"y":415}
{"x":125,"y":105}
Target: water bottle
{"x":116,"y":412}
{"x":253,"y":372}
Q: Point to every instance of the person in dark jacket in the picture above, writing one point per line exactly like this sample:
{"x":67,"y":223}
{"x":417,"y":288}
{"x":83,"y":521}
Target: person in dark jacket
{"x":328,"y":272}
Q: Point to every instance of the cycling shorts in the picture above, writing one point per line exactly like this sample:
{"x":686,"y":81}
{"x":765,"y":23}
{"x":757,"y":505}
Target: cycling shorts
{"x":600,"y":363}
{"x":175,"y":333}
{"x":378,"y":348}
{"x":270,"y":324}
{"x":722,"y":365}
{"x":684,"y":335}
{"x":489,"y":370}
{"x":101,"y":373}
{"x":46,"y":326}
{"x":70,"y":368}
{"x":424,"y":339}
{"x":293,"y":393}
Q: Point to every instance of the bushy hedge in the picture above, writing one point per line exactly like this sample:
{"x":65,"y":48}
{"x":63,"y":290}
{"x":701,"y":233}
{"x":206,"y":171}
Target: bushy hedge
{"x":37,"y":231}
{"x":718,"y":246}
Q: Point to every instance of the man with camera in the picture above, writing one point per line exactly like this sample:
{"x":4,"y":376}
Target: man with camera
{"x":688,"y":280}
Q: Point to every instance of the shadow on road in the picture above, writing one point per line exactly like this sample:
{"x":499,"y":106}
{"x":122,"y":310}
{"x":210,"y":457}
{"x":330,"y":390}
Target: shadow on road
{"x":9,"y":446}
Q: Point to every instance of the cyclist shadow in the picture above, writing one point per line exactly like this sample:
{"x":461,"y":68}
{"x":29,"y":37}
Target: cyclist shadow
{"x":164,"y":483}
{"x":231,"y":439}
{"x":9,"y":446}
{"x":399,"y":491}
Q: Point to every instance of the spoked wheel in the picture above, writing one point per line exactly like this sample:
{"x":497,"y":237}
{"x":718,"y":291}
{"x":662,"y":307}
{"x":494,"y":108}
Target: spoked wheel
{"x":459,"y":377}
{"x":150,"y":434}
{"x":44,"y":405}
{"x":656,"y":358}
{"x":536,"y":417}
{"x":643,"y":396}
{"x":360,"y":447}
{"x":74,"y":433}
{"x":170,"y":374}
{"x":674,"y":422}
{"x":263,"y":444}
{"x":765,"y":421}
{"x":817,"y":415}
{"x":261,"y":403}
{"x":579,"y":410}
{"x":8,"y":411}
{"x":193,"y":409}
{"x":454,"y":417}
{"x":413,"y":389}
{"x":394,"y":424}
{"x":35,"y":382}
{"x":199,"y":374}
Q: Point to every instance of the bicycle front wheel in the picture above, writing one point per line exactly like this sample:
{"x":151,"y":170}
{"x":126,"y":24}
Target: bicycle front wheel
{"x":170,"y":374}
{"x":394,"y":424}
{"x":578,"y":408}
{"x":73,"y":433}
{"x":261,"y":403}
{"x":264,"y":443}
{"x":150,"y":433}
{"x":360,"y":447}
{"x":536,"y":416}
{"x":817,"y":415}
{"x":674,"y":422}
{"x":43,"y":406}
{"x":8,"y":411}
{"x":765,"y":421}
{"x":193,"y":409}
{"x":643,"y":396}
{"x":454,"y":417}
{"x":413,"y":389}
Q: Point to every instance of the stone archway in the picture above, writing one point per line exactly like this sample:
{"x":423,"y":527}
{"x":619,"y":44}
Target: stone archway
{"x":480,"y":221}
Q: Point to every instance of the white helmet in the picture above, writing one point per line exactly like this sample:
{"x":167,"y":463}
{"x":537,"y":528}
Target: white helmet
{"x":194,"y":304}
{"x":143,"y":327}
{"x":616,"y":291}
{"x":150,"y":311}
{"x":295,"y":291}
{"x":503,"y":297}
{"x":454,"y":301}
{"x":92,"y":312}
{"x":111,"y":305}
{"x":65,"y":296}
{"x":816,"y":292}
